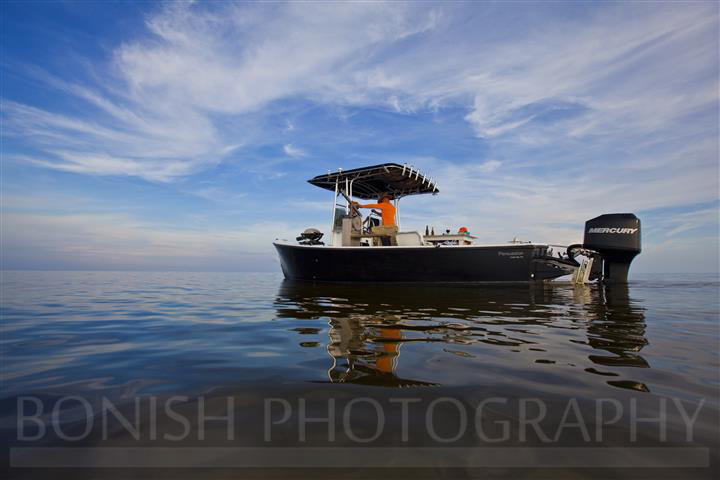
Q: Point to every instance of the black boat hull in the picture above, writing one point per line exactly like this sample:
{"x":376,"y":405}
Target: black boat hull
{"x":444,"y":264}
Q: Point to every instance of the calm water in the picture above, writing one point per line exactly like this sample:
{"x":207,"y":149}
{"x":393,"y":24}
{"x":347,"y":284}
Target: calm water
{"x":131,"y":335}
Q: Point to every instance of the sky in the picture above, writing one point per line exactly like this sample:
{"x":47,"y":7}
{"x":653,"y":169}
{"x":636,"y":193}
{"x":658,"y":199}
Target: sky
{"x":179,"y":136}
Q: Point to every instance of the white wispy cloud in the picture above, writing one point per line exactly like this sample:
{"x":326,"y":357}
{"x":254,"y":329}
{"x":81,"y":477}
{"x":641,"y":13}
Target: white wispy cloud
{"x":489,"y":166}
{"x":158,"y":113}
{"x":167,"y":94}
{"x":293,"y":151}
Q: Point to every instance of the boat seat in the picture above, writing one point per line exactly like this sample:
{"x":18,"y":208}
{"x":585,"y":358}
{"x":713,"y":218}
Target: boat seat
{"x":409,"y":239}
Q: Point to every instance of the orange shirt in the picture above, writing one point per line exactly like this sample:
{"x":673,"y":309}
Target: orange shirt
{"x":388,"y":212}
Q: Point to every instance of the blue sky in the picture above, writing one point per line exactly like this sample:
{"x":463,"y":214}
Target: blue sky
{"x":178,"y":136}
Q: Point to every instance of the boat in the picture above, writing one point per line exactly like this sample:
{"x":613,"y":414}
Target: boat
{"x":357,"y":252}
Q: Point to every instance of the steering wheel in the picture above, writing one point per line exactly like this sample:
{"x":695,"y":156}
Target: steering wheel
{"x":366,"y":222}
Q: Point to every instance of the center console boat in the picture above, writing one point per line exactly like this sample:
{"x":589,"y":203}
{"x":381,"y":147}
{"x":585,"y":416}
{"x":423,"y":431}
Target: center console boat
{"x":356,"y":253}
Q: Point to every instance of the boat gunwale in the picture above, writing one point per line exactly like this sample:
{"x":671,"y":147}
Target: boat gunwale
{"x":286,"y":243}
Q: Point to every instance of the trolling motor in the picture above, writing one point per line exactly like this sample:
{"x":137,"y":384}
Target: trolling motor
{"x":311,"y":236}
{"x":613,"y":241}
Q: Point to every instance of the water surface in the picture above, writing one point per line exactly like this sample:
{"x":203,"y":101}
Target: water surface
{"x":124,"y":335}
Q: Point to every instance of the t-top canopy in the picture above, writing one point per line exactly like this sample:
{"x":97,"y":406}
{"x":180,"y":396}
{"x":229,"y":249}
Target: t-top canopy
{"x":371,"y":182}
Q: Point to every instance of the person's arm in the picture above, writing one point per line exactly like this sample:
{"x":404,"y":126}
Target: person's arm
{"x":371,"y":205}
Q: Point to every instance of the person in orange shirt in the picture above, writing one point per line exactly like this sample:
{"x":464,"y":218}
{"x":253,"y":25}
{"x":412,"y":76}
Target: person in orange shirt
{"x":388,"y":227}
{"x":387,"y":209}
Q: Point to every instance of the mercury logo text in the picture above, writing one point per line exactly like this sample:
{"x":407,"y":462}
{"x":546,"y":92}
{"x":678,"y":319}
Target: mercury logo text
{"x":628,"y":231}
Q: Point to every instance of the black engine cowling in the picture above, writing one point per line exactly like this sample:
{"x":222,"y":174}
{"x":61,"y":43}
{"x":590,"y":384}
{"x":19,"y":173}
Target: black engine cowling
{"x":616,"y":237}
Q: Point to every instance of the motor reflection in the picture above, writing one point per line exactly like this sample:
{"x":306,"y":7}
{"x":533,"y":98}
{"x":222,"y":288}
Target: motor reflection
{"x":618,"y":328}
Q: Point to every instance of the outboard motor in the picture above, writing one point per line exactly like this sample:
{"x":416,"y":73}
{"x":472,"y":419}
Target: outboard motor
{"x":616,"y":237}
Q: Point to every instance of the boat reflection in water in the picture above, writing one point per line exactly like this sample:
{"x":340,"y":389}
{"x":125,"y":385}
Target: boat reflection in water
{"x":445,"y":330}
